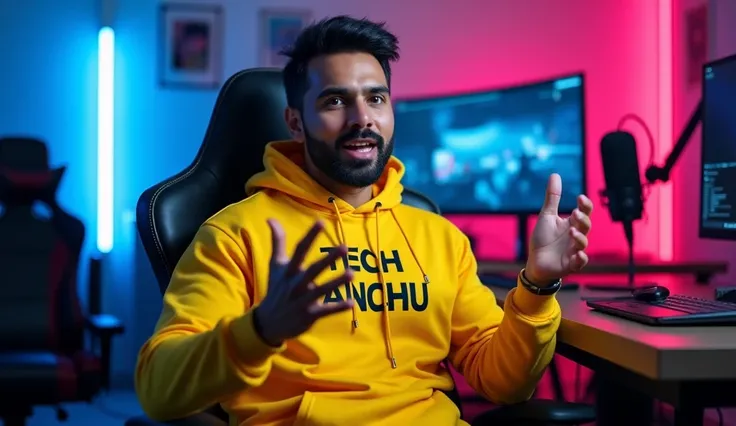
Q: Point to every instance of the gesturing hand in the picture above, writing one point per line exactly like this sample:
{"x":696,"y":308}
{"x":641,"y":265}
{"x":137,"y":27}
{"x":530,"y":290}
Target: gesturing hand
{"x":291,"y":303}
{"x":557,"y":245}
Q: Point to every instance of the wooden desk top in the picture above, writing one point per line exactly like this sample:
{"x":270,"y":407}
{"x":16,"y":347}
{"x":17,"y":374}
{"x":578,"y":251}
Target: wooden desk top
{"x":659,"y":353}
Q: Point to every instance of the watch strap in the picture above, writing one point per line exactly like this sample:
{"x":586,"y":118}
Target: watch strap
{"x":546,"y":290}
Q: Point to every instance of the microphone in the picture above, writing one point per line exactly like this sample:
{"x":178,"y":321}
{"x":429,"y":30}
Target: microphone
{"x":623,"y":194}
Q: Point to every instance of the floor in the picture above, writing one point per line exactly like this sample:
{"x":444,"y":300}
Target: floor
{"x":114,"y":408}
{"x":109,"y":410}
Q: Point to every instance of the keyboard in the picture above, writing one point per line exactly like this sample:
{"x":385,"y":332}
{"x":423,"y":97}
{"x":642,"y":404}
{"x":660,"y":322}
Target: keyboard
{"x":675,"y":310}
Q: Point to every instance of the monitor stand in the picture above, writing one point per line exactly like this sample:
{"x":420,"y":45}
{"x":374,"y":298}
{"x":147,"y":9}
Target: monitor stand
{"x":507,"y":280}
{"x":522,"y":240}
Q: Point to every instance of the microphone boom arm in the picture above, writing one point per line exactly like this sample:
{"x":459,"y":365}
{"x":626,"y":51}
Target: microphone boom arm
{"x":655,"y":173}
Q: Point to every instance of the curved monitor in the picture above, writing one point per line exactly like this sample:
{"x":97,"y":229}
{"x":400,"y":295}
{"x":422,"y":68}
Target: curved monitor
{"x":493,"y":151}
{"x":718,"y":151}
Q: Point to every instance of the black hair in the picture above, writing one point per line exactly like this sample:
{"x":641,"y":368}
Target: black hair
{"x":340,"y":34}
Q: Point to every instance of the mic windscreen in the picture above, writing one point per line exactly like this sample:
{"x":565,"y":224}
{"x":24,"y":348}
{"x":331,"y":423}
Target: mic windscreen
{"x":621,"y":174}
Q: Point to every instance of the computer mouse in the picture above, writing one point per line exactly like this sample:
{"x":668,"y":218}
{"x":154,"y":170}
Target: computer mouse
{"x":653,"y":294}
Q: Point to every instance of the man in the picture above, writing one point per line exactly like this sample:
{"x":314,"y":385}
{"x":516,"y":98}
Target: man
{"x":353,"y":327}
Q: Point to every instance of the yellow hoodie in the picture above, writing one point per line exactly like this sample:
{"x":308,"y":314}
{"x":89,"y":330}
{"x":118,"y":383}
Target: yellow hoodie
{"x":418,"y":301}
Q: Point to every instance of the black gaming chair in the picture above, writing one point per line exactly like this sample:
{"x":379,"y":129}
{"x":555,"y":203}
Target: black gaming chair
{"x":45,"y":355}
{"x":248,"y":114}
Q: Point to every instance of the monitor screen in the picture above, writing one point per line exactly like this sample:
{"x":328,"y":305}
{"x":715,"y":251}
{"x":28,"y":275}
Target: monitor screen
{"x":493,"y":151}
{"x":718,"y":151}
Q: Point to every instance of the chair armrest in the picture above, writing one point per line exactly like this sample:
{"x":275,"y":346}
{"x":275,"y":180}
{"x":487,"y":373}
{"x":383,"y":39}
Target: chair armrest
{"x":104,"y":325}
{"x":201,"y":419}
{"x":538,"y":411}
{"x":103,"y":328}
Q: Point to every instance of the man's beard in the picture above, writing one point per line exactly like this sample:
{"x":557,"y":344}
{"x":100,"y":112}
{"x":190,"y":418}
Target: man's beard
{"x":356,"y":173}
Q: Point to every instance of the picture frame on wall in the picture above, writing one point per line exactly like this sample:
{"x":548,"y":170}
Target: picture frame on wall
{"x":279,"y":29}
{"x":191,"y":46}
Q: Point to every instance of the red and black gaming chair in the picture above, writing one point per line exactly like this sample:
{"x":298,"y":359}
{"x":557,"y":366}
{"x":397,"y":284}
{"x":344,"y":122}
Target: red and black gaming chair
{"x":248,"y":114}
{"x":43,"y":359}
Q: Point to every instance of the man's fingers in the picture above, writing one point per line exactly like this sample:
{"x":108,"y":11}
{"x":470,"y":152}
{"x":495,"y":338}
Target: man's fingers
{"x":278,"y":243}
{"x":316,"y":292}
{"x":580,"y":221}
{"x":317,"y":310}
{"x":578,"y":261}
{"x":579,"y":240}
{"x":311,"y":273}
{"x":552,"y":195}
{"x":585,"y":205}
{"x":302,"y":248}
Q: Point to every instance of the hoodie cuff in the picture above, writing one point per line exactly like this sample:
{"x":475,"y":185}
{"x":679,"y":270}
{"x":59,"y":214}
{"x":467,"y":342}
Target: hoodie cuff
{"x":250,"y":347}
{"x":531,"y":305}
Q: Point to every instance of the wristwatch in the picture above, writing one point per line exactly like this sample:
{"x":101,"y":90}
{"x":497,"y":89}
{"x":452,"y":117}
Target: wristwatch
{"x":546,"y":290}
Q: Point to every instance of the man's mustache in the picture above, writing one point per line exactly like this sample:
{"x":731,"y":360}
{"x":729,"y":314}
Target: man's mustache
{"x":360,"y":134}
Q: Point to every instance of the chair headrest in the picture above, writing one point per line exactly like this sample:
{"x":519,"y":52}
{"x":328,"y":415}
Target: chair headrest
{"x":25,"y":174}
{"x":248,"y":113}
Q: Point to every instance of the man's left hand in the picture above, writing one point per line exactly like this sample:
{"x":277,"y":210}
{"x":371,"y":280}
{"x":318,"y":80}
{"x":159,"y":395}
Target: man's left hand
{"x":557,"y":246}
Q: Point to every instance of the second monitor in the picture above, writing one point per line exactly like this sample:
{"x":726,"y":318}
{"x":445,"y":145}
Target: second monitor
{"x":718,"y":167}
{"x":492,"y":152}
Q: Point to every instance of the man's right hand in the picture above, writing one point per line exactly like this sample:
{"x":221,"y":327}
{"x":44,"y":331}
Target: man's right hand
{"x":291,"y":304}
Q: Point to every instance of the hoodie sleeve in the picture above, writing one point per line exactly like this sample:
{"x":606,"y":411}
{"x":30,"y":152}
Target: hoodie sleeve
{"x":205,"y":346}
{"x":501,"y":353}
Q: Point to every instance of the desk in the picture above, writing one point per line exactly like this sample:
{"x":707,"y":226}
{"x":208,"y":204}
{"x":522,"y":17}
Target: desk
{"x":701,"y":271}
{"x":692,"y":368}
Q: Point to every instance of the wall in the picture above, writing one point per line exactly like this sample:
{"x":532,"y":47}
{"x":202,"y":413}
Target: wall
{"x":722,"y":42}
{"x":507,"y":43}
{"x":446,"y":48}
{"x":723,"y":13}
{"x":48,"y":87}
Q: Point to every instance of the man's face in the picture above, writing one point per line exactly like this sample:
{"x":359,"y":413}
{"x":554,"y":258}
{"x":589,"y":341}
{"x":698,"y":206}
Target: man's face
{"x":347,"y":122}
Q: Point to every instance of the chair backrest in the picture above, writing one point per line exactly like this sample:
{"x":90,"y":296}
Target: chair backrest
{"x":40,"y":247}
{"x":247,"y":115}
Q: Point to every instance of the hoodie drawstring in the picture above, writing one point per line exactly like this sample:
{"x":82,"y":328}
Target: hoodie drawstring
{"x":343,"y":240}
{"x":408,"y":244}
{"x":384,"y":288}
{"x":384,"y":293}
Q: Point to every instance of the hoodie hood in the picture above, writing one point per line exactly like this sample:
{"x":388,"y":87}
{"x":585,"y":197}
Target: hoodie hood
{"x":285,"y":172}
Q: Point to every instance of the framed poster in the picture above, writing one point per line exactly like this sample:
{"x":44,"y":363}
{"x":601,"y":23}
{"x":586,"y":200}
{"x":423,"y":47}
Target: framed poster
{"x":190,"y":45}
{"x":279,"y":28}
